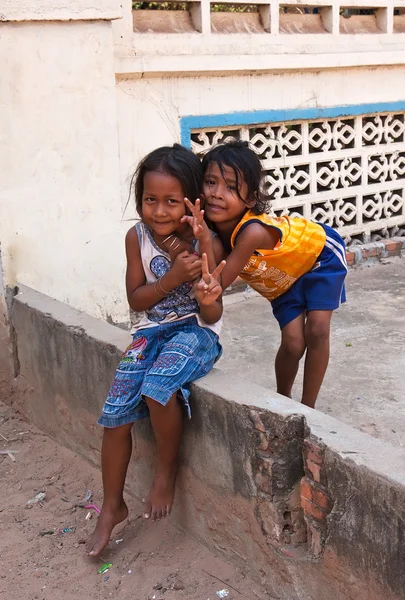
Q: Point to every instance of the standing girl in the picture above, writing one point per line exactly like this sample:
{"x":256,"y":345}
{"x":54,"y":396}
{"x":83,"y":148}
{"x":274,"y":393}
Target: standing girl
{"x":298,"y":265}
{"x":175,"y":343}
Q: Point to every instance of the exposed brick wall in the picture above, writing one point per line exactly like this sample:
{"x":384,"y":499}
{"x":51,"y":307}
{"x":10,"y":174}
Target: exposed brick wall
{"x":356,"y":255}
{"x":315,"y":499}
{"x":277,"y":470}
{"x":293,"y":501}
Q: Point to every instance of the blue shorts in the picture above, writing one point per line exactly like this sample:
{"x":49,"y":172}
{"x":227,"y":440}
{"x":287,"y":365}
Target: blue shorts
{"x":160,"y":361}
{"x":322,"y":288}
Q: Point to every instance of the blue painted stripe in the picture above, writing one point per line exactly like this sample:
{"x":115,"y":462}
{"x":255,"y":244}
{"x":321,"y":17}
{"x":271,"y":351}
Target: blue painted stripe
{"x":188,"y":123}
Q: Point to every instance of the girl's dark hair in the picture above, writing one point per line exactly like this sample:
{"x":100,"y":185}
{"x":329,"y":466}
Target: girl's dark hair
{"x":245,"y":163}
{"x":177,"y":161}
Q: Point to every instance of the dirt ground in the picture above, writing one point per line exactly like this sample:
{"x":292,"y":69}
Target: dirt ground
{"x":154,"y":561}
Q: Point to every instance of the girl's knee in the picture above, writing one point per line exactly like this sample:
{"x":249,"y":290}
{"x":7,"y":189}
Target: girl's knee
{"x":317,"y":334}
{"x":293,"y":347}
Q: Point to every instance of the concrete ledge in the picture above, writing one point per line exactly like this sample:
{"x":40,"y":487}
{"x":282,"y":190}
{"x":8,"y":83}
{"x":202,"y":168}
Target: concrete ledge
{"x":231,"y":62}
{"x":311,"y":506}
{"x":59,"y":10}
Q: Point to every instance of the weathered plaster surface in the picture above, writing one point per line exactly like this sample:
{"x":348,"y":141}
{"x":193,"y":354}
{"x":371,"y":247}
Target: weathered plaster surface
{"x":59,"y":10}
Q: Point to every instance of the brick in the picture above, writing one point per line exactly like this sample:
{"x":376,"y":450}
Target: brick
{"x":350,"y":257}
{"x":356,"y":255}
{"x":314,"y":470}
{"x":321,"y":499}
{"x":373,"y":249}
{"x":314,"y":457}
{"x":314,"y":494}
{"x":305,"y":489}
{"x":313,"y":451}
{"x":312,"y":510}
{"x":391,"y":246}
{"x":370,"y":252}
{"x":256,"y":420}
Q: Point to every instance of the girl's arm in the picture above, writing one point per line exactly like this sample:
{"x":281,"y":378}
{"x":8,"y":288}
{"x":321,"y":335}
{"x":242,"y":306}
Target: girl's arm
{"x":247,"y":242}
{"x":142,"y":296}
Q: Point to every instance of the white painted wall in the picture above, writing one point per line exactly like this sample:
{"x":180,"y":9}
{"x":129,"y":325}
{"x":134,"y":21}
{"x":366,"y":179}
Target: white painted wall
{"x":60,"y":207}
{"x":150,"y":109}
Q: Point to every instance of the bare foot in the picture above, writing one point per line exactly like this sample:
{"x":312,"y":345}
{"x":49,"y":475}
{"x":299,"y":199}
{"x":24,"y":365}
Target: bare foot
{"x":107,"y":520}
{"x":160,"y":500}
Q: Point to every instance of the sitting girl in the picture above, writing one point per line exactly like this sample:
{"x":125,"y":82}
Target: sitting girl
{"x":175,"y":343}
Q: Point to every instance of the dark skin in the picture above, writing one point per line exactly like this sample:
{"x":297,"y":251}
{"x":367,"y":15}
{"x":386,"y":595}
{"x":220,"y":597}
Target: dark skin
{"x":163,"y":207}
{"x":309,"y":332}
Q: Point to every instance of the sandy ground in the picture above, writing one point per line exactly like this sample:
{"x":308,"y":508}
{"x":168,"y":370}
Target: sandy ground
{"x":154,"y":561}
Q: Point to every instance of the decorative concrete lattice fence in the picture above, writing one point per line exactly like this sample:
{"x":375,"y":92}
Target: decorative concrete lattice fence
{"x":347,"y":172}
{"x":276,"y":17}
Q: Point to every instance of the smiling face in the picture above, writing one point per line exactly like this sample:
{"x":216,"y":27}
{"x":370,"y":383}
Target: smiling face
{"x":162,"y":203}
{"x":224,"y":202}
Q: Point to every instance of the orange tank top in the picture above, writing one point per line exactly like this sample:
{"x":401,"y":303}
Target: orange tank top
{"x":273,"y":272}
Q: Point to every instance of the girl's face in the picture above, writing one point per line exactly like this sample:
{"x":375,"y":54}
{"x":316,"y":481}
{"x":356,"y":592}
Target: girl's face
{"x":162,"y":203}
{"x":222,"y":199}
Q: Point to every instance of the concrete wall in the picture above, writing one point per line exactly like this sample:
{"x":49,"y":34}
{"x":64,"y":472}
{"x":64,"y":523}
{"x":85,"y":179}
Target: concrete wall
{"x":313,"y":508}
{"x":8,"y":359}
{"x":60,"y":209}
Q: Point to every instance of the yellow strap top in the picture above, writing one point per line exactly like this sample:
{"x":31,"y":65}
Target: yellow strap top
{"x":273,"y":272}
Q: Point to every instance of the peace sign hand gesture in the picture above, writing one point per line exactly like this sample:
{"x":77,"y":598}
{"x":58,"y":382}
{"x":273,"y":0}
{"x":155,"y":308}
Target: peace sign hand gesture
{"x":196,"y":220}
{"x":208,"y":289}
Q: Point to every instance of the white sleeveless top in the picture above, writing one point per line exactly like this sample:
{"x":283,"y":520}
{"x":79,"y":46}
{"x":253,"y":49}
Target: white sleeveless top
{"x":181,"y":302}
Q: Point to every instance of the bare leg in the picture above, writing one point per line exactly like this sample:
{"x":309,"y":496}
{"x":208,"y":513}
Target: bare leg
{"x":115,"y":454}
{"x":288,"y":357}
{"x":317,"y":334}
{"x":167,"y":424}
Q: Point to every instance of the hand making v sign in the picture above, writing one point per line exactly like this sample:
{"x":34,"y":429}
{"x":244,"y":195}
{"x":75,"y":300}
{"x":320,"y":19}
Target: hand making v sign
{"x":208,"y":289}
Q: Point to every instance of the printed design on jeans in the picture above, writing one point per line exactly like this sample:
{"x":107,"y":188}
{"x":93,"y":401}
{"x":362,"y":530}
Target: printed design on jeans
{"x":168,"y":364}
{"x":178,"y":301}
{"x":134,"y":351}
{"x":121,"y":386}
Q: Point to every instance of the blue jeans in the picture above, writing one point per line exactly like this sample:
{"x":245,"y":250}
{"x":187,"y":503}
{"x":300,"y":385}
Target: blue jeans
{"x":160,"y":361}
